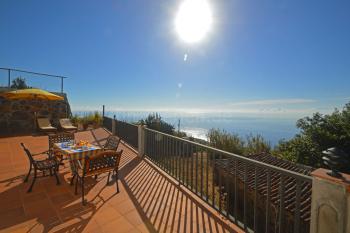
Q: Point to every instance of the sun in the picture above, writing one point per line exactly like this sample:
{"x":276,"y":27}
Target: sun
{"x":193,"y":20}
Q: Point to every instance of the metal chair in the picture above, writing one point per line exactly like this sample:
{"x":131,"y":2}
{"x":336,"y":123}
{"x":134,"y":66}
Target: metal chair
{"x":106,"y":161}
{"x":112,"y":143}
{"x":50,"y":164}
{"x":58,"y":138}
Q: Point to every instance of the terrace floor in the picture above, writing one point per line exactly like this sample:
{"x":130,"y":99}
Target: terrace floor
{"x":148,"y":201}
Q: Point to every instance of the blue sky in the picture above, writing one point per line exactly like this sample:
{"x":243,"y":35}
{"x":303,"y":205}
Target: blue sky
{"x":273,"y":57}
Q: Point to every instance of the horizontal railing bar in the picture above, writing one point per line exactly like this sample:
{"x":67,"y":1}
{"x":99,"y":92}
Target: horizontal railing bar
{"x":30,"y":72}
{"x":123,"y":122}
{"x":242,"y":158}
{"x":127,"y":123}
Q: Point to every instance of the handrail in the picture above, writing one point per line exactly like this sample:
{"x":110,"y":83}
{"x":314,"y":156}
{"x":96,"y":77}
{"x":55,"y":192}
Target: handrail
{"x":31,"y":72}
{"x":240,"y":157}
{"x":127,"y":123}
{"x":121,"y":121}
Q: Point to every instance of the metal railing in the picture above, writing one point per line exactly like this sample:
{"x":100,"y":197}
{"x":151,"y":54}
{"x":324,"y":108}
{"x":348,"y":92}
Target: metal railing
{"x":107,"y":123}
{"x":10,"y":71}
{"x":256,"y":196}
{"x":126,"y":131}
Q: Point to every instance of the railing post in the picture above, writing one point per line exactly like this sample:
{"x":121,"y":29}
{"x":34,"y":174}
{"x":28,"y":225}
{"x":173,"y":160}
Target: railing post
{"x":141,"y":140}
{"x":103,"y":115}
{"x":9,"y":78}
{"x":61,"y":84}
{"x":114,"y":122}
{"x":330,"y":205}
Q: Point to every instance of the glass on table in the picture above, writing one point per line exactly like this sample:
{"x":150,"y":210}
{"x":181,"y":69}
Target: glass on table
{"x":71,"y":143}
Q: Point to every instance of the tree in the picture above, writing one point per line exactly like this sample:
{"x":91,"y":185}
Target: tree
{"x":19,"y":83}
{"x":318,"y":133}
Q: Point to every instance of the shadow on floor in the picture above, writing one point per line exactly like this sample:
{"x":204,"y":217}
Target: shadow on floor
{"x":48,"y":206}
{"x":157,"y":199}
{"x":163,"y":205}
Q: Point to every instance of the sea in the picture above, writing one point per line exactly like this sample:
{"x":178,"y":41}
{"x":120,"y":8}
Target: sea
{"x":273,"y":129}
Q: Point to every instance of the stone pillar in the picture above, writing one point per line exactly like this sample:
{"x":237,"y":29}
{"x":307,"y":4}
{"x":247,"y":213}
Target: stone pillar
{"x":330,"y":208}
{"x":141,"y":140}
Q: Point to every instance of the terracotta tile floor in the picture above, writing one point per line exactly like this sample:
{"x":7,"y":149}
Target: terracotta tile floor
{"x":148,"y":201}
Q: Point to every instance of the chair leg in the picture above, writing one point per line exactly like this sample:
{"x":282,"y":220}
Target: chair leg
{"x":31,"y":186}
{"x":82,"y":190}
{"x":61,"y":163}
{"x":72,"y":180}
{"x":76,"y":185}
{"x":30,"y":169}
{"x":95,"y":177}
{"x":55,"y":173}
{"x":116,"y":180}
{"x":109,"y":174}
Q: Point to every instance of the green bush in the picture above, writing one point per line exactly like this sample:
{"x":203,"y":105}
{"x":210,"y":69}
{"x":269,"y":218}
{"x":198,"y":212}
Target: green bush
{"x":256,"y":144}
{"x":318,"y":133}
{"x":223,"y":140}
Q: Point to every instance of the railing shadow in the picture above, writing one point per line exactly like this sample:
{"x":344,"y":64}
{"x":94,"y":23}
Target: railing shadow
{"x":163,"y":205}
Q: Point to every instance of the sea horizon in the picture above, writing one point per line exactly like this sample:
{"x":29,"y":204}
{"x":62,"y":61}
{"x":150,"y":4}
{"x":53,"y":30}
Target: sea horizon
{"x":272,"y":128}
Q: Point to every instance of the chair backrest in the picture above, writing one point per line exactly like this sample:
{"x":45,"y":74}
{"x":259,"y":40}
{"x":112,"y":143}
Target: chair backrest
{"x":60,"y":137}
{"x":103,"y":162}
{"x":43,"y":122}
{"x":111,"y":143}
{"x":31,"y":159}
{"x":65,"y":122}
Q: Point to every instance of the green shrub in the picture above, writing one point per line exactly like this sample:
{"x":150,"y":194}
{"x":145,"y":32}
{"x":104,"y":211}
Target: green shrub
{"x":254,"y":144}
{"x":318,"y":133}
{"x":257,"y":144}
{"x":223,"y":140}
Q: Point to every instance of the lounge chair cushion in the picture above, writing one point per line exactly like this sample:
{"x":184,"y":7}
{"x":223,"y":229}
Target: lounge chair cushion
{"x":47,"y":128}
{"x":67,"y":124}
{"x":69,"y":127}
{"x":44,"y":124}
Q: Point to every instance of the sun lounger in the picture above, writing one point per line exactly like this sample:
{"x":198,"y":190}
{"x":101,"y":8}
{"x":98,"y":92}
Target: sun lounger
{"x":45,"y":125}
{"x":67,"y":125}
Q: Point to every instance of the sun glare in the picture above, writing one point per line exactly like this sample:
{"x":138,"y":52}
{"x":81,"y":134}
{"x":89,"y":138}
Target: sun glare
{"x":193,"y":20}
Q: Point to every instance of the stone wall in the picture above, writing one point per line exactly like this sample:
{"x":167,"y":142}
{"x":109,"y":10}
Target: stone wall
{"x":18,"y":116}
